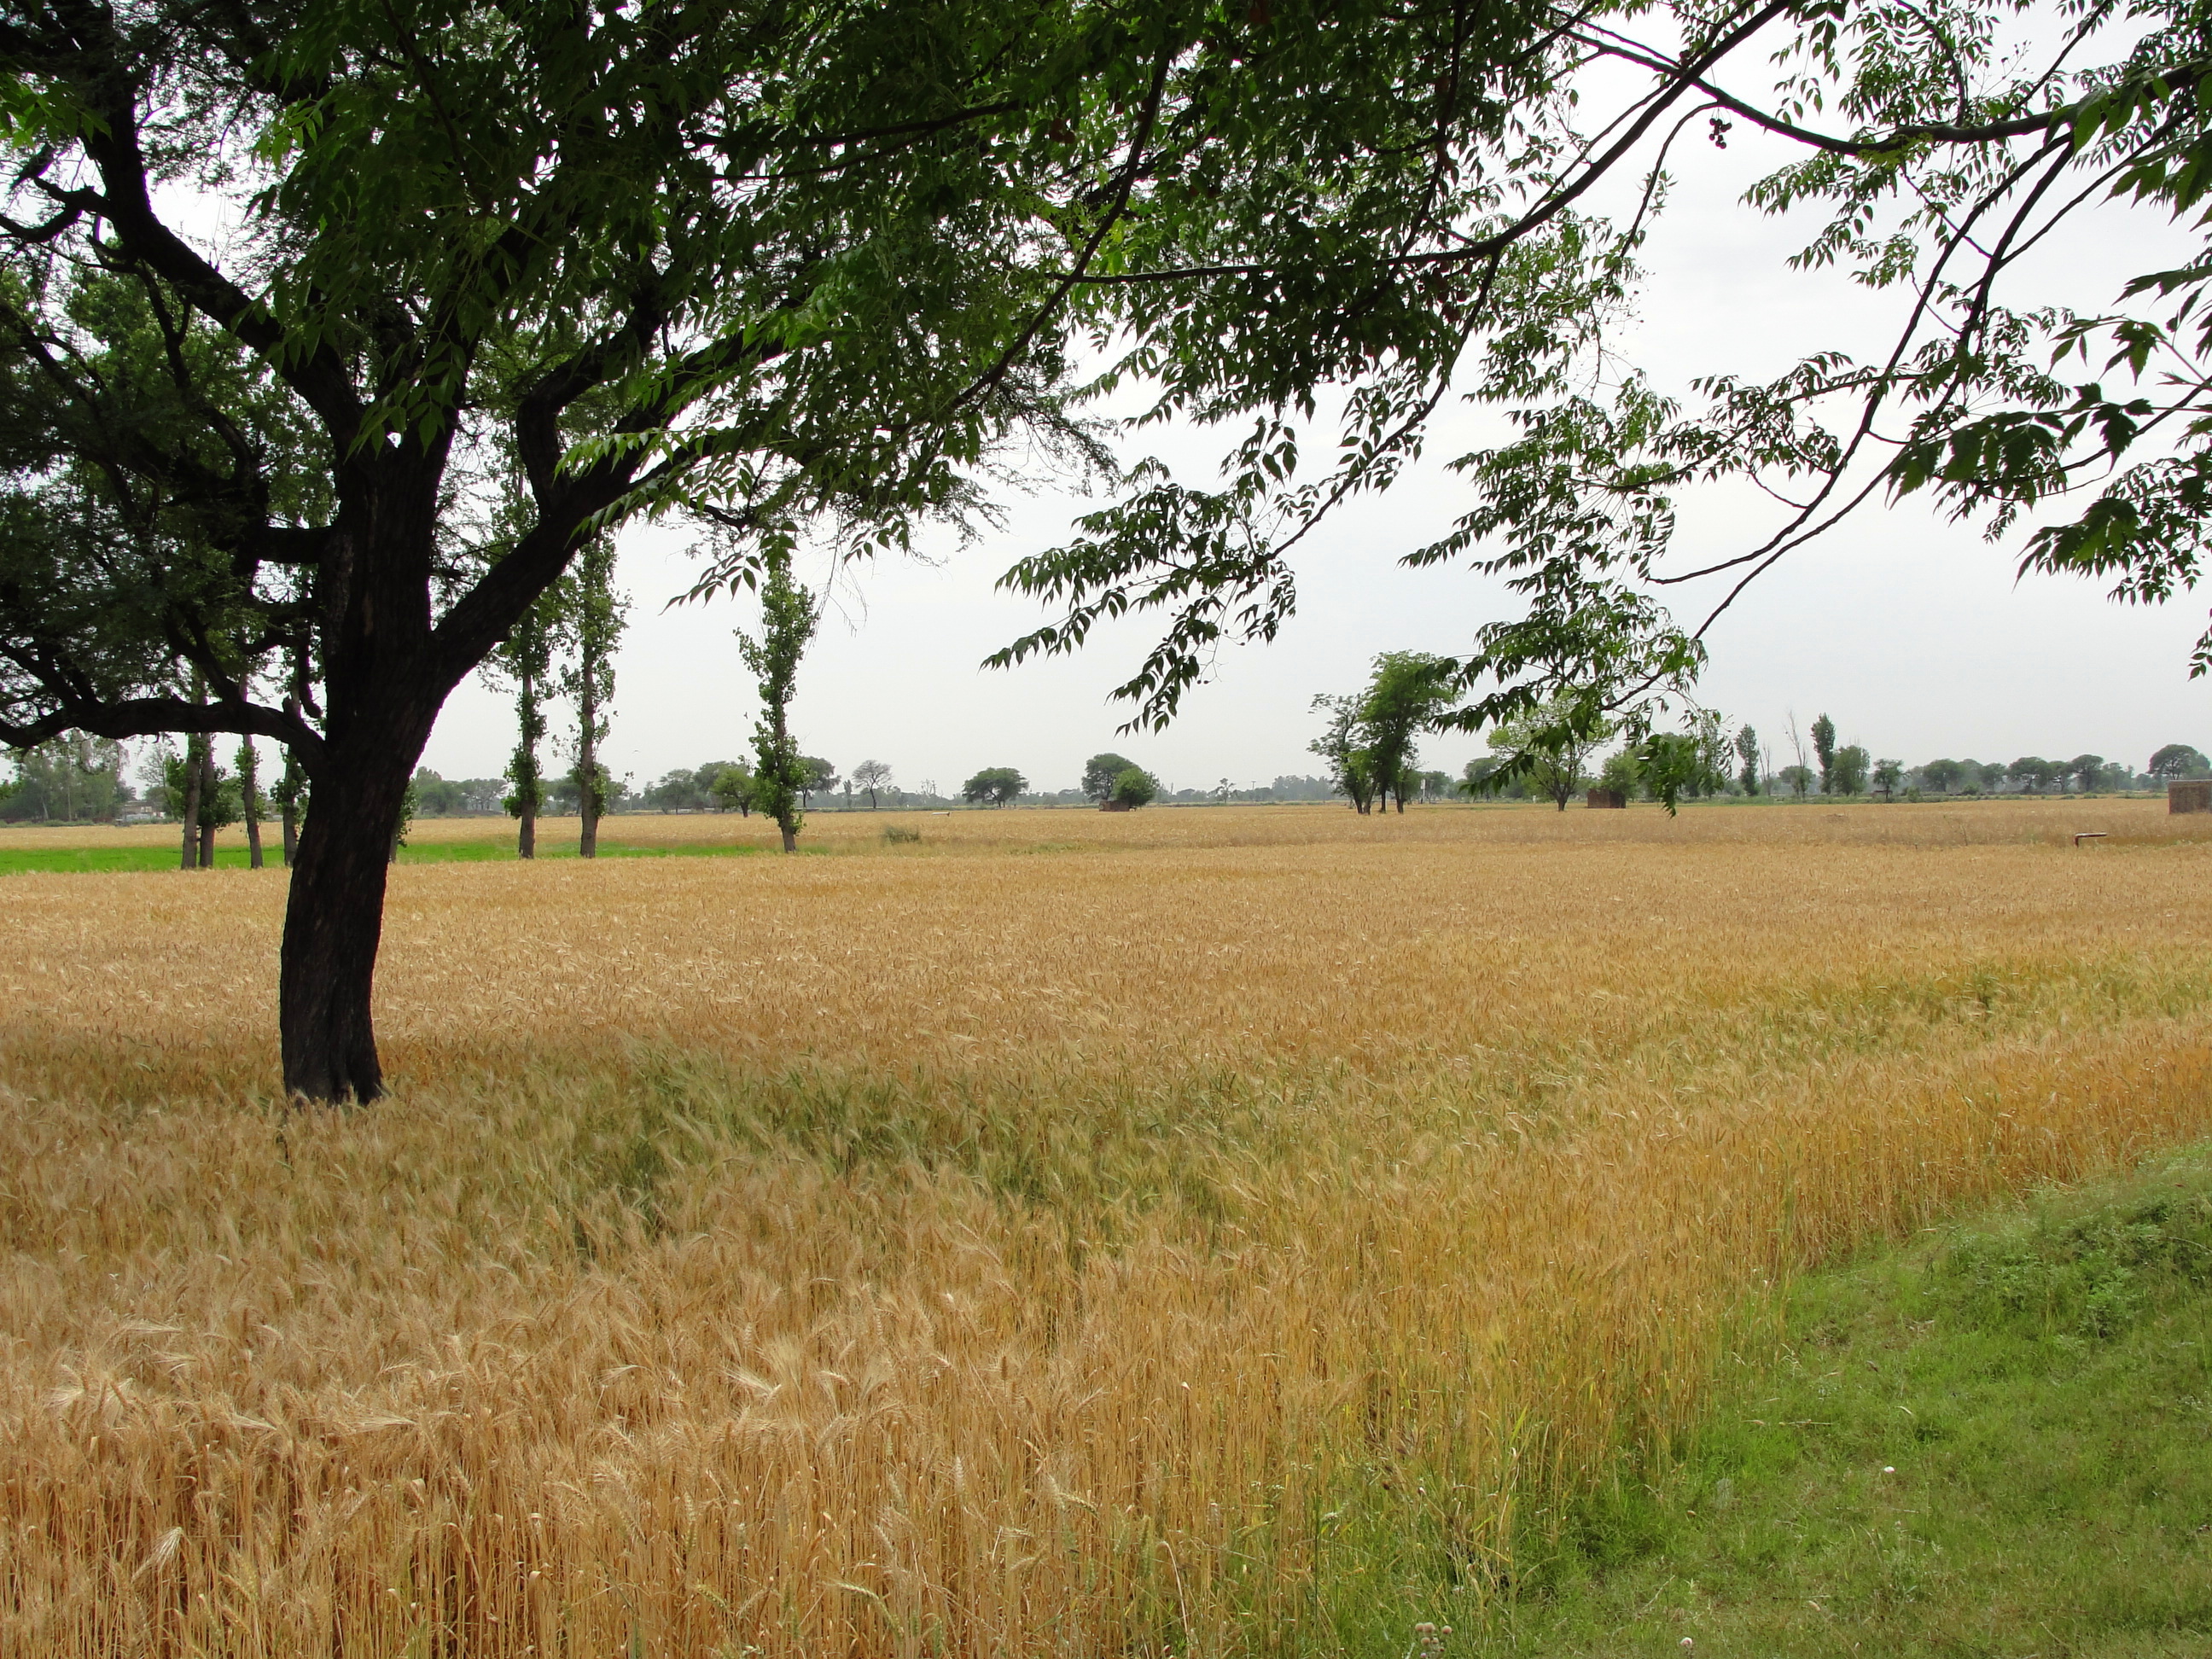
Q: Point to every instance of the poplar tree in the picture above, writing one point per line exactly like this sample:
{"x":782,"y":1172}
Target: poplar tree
{"x":596,"y":618}
{"x":526,"y":657}
{"x":252,"y":803}
{"x":1824,"y":747}
{"x":1747,"y":751}
{"x":788,"y":615}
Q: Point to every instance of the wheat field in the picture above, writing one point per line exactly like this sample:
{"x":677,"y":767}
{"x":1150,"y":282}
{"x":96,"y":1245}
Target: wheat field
{"x":1180,"y":1232}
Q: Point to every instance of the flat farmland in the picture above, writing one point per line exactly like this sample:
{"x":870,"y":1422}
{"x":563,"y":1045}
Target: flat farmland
{"x":1184,"y":1231}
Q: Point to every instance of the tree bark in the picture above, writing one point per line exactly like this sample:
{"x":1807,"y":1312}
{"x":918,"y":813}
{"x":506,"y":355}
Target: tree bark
{"x":207,"y":803}
{"x":189,"y":853}
{"x":333,"y":923}
{"x":249,"y":793}
{"x":790,"y":841}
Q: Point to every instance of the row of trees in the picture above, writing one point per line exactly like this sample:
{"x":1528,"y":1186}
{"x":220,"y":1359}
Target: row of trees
{"x":1545,"y":752}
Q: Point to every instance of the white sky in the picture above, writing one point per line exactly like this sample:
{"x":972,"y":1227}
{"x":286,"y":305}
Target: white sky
{"x":1912,"y":633}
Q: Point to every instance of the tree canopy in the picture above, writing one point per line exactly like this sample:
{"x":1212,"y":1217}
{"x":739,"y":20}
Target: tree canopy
{"x":330,"y":332}
{"x":994,"y":786}
{"x":1099,"y":773}
{"x":1933,"y":148}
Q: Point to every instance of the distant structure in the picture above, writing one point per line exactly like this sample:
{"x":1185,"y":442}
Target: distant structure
{"x":1614,"y":798}
{"x":2193,"y":796}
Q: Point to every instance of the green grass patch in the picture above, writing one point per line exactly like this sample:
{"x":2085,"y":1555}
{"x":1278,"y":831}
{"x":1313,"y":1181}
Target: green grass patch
{"x":25,"y":860}
{"x":95,"y":860}
{"x":1992,"y":1442}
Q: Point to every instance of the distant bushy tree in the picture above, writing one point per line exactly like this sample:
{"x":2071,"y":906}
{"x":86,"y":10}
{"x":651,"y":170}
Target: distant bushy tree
{"x":1342,"y":748}
{"x":817,"y":777}
{"x":1622,"y":774}
{"x":1942,"y":775}
{"x":1549,"y":745}
{"x":1799,"y":778}
{"x":1408,"y":690}
{"x":994,"y":786}
{"x":1099,"y":773}
{"x":2086,"y":770}
{"x":1135,"y":787}
{"x":2179,"y":760}
{"x":2032,"y":773}
{"x":730,"y":785}
{"x":1887,"y":775}
{"x":1850,"y":769}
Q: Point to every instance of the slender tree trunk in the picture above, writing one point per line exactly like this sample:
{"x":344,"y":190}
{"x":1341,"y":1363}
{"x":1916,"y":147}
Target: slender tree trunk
{"x":333,"y":923}
{"x":525,"y":836}
{"x":189,"y":853}
{"x":587,"y":757}
{"x":249,"y":793}
{"x":207,"y":803}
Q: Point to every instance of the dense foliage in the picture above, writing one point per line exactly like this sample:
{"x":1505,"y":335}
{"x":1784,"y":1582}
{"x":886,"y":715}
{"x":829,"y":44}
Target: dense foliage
{"x":1936,"y":149}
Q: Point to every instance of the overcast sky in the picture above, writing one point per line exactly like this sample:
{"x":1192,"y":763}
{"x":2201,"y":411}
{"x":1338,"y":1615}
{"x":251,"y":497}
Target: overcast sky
{"x":1912,"y":634}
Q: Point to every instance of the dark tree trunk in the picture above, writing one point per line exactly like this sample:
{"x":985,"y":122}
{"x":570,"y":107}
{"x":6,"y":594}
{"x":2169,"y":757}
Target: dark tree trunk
{"x":790,"y":841}
{"x":526,"y":789}
{"x":333,"y":921}
{"x":207,"y":803}
{"x":249,"y":794}
{"x":188,"y":854}
{"x":291,"y":834}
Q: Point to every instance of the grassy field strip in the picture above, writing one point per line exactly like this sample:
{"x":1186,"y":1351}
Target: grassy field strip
{"x":1990,"y":1440}
{"x":1188,"y":1251}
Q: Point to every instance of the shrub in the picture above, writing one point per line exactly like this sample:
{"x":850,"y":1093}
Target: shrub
{"x":1135,"y":787}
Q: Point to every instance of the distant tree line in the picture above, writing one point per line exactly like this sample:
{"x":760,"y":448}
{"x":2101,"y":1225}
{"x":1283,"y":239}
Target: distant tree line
{"x":78,"y":778}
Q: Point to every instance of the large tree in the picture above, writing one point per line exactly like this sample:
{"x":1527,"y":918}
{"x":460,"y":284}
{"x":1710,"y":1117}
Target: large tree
{"x":296,"y":295}
{"x":994,"y":786}
{"x":1099,"y":773}
{"x":1408,"y":691}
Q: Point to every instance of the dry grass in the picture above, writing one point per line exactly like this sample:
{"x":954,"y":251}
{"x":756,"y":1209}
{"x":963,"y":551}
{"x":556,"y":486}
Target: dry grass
{"x":1171,"y":1231}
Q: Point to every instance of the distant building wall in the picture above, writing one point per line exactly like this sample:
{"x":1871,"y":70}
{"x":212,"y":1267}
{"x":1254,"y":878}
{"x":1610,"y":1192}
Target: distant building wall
{"x":2194,"y":796}
{"x":1614,"y":798}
